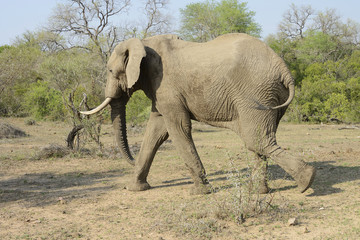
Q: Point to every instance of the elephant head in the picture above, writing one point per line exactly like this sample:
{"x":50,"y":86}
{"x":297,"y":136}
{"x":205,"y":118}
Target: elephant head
{"x":123,"y":72}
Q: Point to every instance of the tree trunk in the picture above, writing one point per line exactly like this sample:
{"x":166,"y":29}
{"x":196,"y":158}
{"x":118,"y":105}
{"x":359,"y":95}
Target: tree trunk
{"x":71,"y":136}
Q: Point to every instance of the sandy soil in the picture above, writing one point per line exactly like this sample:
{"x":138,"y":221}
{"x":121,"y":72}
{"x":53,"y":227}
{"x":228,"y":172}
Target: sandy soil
{"x":84,"y":196}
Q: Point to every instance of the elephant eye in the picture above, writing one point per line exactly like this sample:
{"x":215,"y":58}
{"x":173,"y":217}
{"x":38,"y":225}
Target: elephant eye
{"x":111,"y":70}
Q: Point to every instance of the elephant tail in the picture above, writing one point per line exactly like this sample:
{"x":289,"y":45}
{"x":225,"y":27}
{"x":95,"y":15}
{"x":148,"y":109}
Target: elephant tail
{"x":291,"y":87}
{"x":289,"y":100}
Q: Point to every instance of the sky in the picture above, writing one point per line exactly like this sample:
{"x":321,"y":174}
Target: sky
{"x":19,"y":16}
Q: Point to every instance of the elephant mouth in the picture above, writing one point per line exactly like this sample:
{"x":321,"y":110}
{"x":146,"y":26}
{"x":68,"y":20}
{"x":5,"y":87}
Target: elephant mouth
{"x":98,"y":108}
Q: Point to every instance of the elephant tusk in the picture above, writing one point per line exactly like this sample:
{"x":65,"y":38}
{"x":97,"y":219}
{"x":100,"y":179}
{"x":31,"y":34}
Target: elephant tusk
{"x":98,"y":108}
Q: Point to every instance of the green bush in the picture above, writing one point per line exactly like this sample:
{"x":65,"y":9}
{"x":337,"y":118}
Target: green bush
{"x":337,"y":106}
{"x":43,"y":102}
{"x":138,"y":108}
{"x":18,"y":69}
{"x":326,"y":93}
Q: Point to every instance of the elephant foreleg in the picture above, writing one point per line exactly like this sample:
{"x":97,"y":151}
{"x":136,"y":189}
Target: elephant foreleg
{"x":155,"y":134}
{"x":179,"y":127}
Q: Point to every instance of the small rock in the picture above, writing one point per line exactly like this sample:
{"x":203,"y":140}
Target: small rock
{"x":349,"y":150}
{"x":292,"y":221}
{"x":61,"y":200}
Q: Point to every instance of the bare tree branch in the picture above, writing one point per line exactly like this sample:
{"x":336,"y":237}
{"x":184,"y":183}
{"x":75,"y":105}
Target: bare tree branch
{"x":156,"y":22}
{"x":89,"y":19}
{"x":295,"y":20}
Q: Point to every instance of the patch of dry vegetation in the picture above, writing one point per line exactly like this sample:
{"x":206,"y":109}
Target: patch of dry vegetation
{"x":9,"y":131}
{"x":51,"y":151}
{"x":84,"y":197}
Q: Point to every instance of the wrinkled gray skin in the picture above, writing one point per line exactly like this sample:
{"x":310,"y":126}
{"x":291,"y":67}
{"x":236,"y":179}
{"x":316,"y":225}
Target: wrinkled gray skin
{"x":234,"y":81}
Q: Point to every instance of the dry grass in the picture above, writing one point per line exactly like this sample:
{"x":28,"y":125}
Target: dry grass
{"x":9,"y":131}
{"x":51,"y":151}
{"x":84,"y":197}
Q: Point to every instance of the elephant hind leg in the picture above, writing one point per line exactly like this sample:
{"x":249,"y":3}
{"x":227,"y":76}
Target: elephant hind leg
{"x":302,"y":173}
{"x":263,"y":142}
{"x":259,"y":173}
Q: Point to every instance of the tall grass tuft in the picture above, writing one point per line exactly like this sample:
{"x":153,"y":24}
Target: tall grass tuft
{"x":243,"y":198}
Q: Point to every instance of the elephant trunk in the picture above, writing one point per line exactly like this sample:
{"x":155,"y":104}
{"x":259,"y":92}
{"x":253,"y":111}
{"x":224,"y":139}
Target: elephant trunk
{"x":118,"y":117}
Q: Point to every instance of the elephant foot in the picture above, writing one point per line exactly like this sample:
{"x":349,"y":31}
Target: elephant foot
{"x":200,"y":189}
{"x":302,"y":173}
{"x":305,"y":178}
{"x":138,"y":186}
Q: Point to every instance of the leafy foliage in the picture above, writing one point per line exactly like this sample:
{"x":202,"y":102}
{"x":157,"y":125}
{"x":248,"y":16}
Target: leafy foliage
{"x":204,"y":21}
{"x":75,"y":72}
{"x":42,"y":69}
{"x":324,"y":60}
{"x":326,"y":94}
{"x":138,"y":108}
{"x":18,"y":66}
{"x":316,"y":47}
{"x":41,"y":102}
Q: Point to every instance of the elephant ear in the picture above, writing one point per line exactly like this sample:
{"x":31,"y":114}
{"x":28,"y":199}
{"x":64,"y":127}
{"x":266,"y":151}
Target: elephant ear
{"x":134,"y":51}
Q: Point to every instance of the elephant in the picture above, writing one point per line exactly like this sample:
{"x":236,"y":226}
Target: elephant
{"x":234,"y":81}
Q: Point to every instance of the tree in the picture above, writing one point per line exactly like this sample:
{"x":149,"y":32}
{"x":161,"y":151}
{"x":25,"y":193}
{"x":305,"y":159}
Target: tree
{"x":295,"y":21}
{"x":76,"y":74}
{"x":305,"y":37}
{"x":322,"y":53}
{"x":18,"y":69}
{"x":345,"y":35}
{"x":316,"y":47}
{"x":327,"y":22}
{"x":89,"y":19}
{"x":74,"y":71}
{"x":45,"y":41}
{"x":351,"y":33}
{"x":70,"y":55}
{"x":155,"y":21}
{"x":205,"y":21}
{"x":87,"y":24}
{"x":41,"y":101}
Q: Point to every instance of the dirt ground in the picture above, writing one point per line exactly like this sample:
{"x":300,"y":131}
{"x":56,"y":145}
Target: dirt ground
{"x":83,"y":196}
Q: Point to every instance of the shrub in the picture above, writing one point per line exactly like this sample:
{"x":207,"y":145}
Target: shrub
{"x":244,"y":199}
{"x":51,"y":151}
{"x":325,"y":94}
{"x":43,"y":102}
{"x":9,"y":131}
{"x":337,"y":106}
{"x":18,"y":69}
{"x":138,"y":108}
